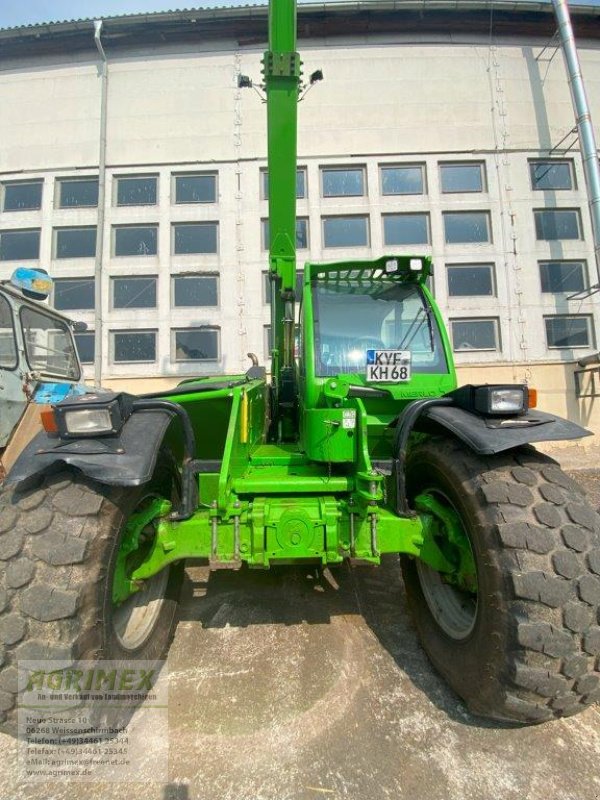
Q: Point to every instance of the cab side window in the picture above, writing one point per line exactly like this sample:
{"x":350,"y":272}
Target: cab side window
{"x":8,"y":345}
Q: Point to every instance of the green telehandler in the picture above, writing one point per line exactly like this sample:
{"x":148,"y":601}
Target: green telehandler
{"x":359,"y":445}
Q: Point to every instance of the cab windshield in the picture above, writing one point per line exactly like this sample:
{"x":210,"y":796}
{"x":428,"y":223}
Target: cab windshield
{"x":354,"y":314}
{"x":49,"y":345}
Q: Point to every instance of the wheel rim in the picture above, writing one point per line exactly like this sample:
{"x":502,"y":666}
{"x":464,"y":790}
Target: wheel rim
{"x":135,"y":619}
{"x":454,"y":611}
{"x":137,"y":607}
{"x":453,"y":608}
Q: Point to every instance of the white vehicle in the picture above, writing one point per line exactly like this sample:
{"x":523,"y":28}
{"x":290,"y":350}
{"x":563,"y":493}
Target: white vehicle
{"x":39,"y":364}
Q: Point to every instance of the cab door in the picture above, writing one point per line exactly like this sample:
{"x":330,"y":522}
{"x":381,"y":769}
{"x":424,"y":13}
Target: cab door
{"x":12,"y":398}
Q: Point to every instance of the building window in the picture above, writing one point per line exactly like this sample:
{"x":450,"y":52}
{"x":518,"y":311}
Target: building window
{"x":267,"y":286}
{"x":267,"y":340}
{"x":135,"y":240}
{"x":405,"y":179}
{"x":471,"y":280}
{"x":195,"y":290}
{"x":462,"y":177}
{"x":568,"y":331}
{"x":301,"y":184}
{"x":86,"y":346}
{"x":474,"y":334}
{"x":467,"y":227}
{"x":405,"y":229}
{"x":75,"y":242}
{"x":346,"y":231}
{"x":17,"y":245}
{"x":563,"y":276}
{"x":301,"y":234}
{"x":551,"y":175}
{"x":555,"y":223}
{"x":134,"y":346}
{"x":196,"y":188}
{"x":78,"y":193}
{"x":22,"y":196}
{"x":74,"y":294}
{"x":343,"y":181}
{"x":134,"y":292}
{"x":196,"y":344}
{"x":195,"y":237}
{"x":137,"y":191}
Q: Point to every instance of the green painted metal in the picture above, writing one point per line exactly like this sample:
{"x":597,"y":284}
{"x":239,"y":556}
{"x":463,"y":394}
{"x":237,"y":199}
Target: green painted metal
{"x":293,"y":462}
{"x":448,"y":548}
{"x":124,"y":585}
{"x":281,"y":69}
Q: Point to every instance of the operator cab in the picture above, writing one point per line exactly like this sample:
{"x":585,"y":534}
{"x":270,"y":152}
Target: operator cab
{"x":38,"y":354}
{"x":35,"y":339}
{"x":374,"y":324}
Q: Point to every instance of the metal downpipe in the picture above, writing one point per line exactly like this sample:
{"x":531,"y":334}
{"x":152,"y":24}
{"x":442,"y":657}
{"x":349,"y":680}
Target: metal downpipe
{"x":98,"y":267}
{"x":587,"y":141}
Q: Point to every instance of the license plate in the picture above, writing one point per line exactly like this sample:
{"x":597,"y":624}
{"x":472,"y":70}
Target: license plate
{"x":389,"y":366}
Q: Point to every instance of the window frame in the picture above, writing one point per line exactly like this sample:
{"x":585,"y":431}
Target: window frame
{"x":266,"y":286}
{"x":4,"y":299}
{"x":131,"y":332}
{"x":196,"y":223}
{"x":59,"y":183}
{"x":200,"y":174}
{"x":118,"y":227}
{"x":264,"y":222}
{"x":192,"y":328}
{"x":498,"y":339}
{"x":532,"y":162}
{"x":264,"y":188}
{"x":576,"y":211}
{"x":22,"y":230}
{"x":43,"y":312}
{"x":325,"y":217}
{"x":465,"y":265}
{"x":472,"y":164}
{"x":114,"y":278}
{"x":142,"y":176}
{"x":27,"y":182}
{"x":61,"y":228}
{"x":488,"y":217}
{"x":195,"y":275}
{"x":420,"y":165}
{"x":85,"y":333}
{"x":572,"y":261}
{"x":323,"y":168}
{"x":388,"y":215}
{"x":72,"y":279}
{"x":589,"y":320}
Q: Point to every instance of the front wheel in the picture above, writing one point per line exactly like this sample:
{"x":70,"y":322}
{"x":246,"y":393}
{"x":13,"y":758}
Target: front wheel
{"x":66,"y":549}
{"x":515,"y":629}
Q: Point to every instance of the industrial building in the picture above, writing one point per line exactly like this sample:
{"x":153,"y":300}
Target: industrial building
{"x":440,"y":128}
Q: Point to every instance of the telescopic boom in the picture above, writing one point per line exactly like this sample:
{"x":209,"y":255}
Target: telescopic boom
{"x":281,"y":68}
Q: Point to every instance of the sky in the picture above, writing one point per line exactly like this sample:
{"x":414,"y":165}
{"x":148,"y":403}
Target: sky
{"x":17,"y":12}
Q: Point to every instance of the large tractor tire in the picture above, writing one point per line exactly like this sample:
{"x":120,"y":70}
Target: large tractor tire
{"x":523,"y":645}
{"x":59,"y":547}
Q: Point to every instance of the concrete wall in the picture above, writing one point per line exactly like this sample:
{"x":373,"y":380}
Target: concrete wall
{"x":383,"y":100}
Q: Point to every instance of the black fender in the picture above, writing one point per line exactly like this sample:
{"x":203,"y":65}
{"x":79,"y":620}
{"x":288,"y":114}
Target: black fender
{"x":488,"y":435}
{"x":126,"y":459}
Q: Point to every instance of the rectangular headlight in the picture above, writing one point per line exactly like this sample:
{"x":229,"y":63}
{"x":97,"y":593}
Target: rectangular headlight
{"x":92,"y":414}
{"x":88,"y":420}
{"x":501,"y":399}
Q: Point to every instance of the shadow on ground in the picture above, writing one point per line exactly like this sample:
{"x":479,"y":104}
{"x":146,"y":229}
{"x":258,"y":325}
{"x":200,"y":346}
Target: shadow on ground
{"x":292,"y":596}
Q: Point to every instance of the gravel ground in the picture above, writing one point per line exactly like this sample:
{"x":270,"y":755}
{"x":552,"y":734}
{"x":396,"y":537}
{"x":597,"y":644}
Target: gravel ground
{"x":292,"y":685}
